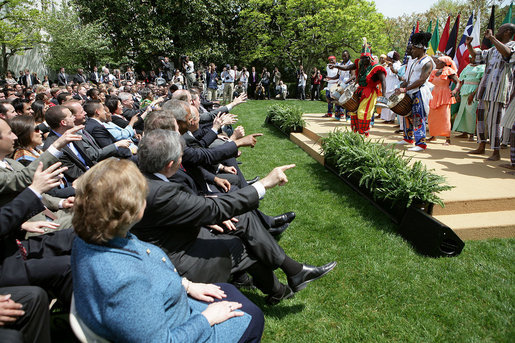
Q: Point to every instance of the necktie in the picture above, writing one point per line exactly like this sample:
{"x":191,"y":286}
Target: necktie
{"x":22,"y":249}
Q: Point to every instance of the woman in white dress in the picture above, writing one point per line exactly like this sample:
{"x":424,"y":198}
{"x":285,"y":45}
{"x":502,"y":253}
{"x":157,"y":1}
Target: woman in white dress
{"x":392,"y":82}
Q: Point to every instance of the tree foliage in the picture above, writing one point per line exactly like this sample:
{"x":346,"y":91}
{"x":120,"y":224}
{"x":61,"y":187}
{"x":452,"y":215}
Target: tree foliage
{"x":307,"y":32}
{"x":19,"y":28}
{"x":151,"y":28}
{"x":72,"y":43}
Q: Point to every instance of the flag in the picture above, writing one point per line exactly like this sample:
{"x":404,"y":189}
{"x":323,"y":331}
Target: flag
{"x":430,"y":28}
{"x":476,"y":31}
{"x":462,"y":55}
{"x":433,"y":43}
{"x":405,"y":60}
{"x":507,"y":19}
{"x":445,"y":36}
{"x":416,"y":29}
{"x":486,"y":43}
{"x":450,"y":48}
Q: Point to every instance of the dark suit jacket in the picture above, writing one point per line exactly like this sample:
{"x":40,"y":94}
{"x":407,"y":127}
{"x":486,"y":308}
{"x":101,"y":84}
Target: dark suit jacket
{"x":33,"y":80}
{"x":104,"y":138}
{"x":94,"y":78}
{"x":209,"y":116}
{"x":94,"y":151}
{"x":78,"y":78}
{"x":173,"y":216}
{"x":62,"y":79}
{"x":75,"y":167}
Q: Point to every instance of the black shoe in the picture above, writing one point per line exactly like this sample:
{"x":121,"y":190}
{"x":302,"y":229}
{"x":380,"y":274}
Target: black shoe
{"x":308,"y":273}
{"x":276,"y":231}
{"x":286,"y":293}
{"x":244,"y":281}
{"x":284,"y":218}
{"x":254,"y":180}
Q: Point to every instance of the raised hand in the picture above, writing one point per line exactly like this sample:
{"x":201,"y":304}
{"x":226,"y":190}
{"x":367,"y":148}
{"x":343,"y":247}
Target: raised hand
{"x":45,"y":180}
{"x":249,"y":140}
{"x":276,"y":177}
{"x":70,"y":135}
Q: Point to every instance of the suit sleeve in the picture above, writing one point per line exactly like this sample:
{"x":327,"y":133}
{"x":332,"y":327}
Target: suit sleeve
{"x":101,"y":135}
{"x":209,"y":116}
{"x":178,"y":207}
{"x":16,"y":181}
{"x":14,"y":213}
{"x":211,"y":156}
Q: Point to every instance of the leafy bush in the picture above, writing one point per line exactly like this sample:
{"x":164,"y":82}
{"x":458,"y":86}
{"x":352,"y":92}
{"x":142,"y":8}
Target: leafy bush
{"x":383,"y":170}
{"x":287,"y":118}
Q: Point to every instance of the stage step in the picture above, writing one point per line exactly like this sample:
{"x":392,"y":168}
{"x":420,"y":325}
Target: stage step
{"x":308,"y":145}
{"x":482,"y":204}
{"x":475,"y":226}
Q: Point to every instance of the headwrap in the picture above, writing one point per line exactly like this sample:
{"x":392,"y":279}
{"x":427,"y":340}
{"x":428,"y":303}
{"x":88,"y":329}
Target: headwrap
{"x":365,"y":49}
{"x":331,"y":58}
{"x":449,"y":63}
{"x":390,"y":54}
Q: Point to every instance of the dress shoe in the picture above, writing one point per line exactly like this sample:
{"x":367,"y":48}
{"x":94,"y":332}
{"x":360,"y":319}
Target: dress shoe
{"x":284,"y":218}
{"x":244,"y":281}
{"x":308,"y":273}
{"x":276,"y":231}
{"x":254,"y":180}
{"x":286,"y":293}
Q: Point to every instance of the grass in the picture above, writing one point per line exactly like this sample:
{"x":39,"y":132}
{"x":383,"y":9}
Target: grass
{"x":381,"y":290}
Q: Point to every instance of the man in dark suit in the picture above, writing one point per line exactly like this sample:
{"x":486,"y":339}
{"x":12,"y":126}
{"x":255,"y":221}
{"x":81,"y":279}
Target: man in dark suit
{"x":176,"y":220}
{"x":43,"y":260}
{"x":79,"y":77}
{"x":75,"y":157}
{"x":62,"y":78}
{"x":28,"y":80}
{"x":253,"y":81}
{"x":96,"y":115}
{"x":93,"y":150}
{"x":94,"y":76}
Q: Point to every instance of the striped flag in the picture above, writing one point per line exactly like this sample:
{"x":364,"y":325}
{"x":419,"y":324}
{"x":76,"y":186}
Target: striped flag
{"x":433,"y":43}
{"x":445,"y":36}
{"x":462,"y":55}
{"x":476,"y":31}
{"x":450,"y":48}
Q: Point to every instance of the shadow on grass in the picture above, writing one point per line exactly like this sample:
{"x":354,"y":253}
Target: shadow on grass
{"x":331,"y":183}
{"x":279,"y":311}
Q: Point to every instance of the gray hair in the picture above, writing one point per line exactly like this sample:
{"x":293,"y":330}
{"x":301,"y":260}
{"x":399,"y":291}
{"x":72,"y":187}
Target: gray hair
{"x":179,"y":109}
{"x":124,"y":96}
{"x":157,"y":148}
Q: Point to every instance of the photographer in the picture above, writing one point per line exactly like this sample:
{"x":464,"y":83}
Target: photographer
{"x":265,"y":82}
{"x":189,"y":71}
{"x":228,"y":76}
{"x":168,"y":68}
{"x":316,"y":79}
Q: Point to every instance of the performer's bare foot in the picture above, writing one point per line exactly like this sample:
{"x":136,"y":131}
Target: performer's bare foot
{"x":507,"y":165}
{"x":447,"y":141}
{"x":430,"y":139}
{"x":496,"y":156}
{"x":480,"y":149}
{"x":463,"y":135}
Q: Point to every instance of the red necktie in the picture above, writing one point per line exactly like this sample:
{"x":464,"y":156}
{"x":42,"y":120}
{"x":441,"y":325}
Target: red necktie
{"x":22,"y":249}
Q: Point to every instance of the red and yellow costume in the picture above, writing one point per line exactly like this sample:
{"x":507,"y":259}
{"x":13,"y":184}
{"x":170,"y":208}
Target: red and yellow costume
{"x":368,"y":92}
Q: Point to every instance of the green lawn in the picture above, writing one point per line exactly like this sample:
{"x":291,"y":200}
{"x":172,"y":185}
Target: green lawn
{"x":381,"y":289}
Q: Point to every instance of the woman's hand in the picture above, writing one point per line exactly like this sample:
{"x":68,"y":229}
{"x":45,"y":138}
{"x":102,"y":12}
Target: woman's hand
{"x":221,"y":311}
{"x":470,"y":98}
{"x":39,"y":226}
{"x":205,"y":292}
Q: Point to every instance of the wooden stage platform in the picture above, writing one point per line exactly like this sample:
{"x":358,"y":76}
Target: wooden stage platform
{"x":482,"y":204}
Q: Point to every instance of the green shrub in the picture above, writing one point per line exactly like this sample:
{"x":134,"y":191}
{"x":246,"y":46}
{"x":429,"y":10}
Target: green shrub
{"x":383,"y":170}
{"x":287,"y":118}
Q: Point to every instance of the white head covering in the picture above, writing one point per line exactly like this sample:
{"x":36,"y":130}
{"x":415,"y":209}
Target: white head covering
{"x":390,"y":54}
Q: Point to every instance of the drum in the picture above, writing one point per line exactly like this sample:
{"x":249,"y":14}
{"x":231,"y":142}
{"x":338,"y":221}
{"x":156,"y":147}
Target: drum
{"x":336,"y":92}
{"x":400,"y":104}
{"x":350,"y":99}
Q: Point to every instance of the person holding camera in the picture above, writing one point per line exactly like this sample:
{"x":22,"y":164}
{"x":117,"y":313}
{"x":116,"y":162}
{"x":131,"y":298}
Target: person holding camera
{"x":316,"y":80}
{"x":228,"y":76}
{"x":265,"y":82}
{"x":189,"y":71}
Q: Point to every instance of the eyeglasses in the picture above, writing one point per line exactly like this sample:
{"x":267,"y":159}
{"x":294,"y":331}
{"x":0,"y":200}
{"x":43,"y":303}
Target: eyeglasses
{"x":36,"y":129}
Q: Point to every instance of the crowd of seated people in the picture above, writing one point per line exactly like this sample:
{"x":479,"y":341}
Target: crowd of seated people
{"x":112,"y":195}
